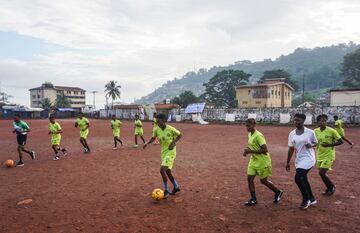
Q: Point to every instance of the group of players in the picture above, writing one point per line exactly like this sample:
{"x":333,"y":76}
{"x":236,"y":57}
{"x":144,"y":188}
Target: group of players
{"x":312,"y":147}
{"x":306,"y":143}
{"x":163,"y":133}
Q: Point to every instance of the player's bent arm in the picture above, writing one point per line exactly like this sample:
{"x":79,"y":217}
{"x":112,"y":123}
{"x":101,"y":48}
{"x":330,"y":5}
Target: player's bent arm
{"x":337,"y":143}
{"x":149,"y":142}
{"x":263,"y":150}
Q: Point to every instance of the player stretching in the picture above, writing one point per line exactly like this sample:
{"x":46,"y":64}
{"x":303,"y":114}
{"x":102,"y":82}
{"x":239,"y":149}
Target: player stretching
{"x":302,"y":140}
{"x":55,"y":131}
{"x":339,"y":128}
{"x":259,"y":163}
{"x":139,"y":132}
{"x":21,"y":129}
{"x":115,"y":125}
{"x":168,"y":137}
{"x":327,"y":138}
{"x":83,"y":123}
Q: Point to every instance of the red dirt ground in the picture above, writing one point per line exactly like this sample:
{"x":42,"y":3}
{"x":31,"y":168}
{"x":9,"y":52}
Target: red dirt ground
{"x":109,"y":191}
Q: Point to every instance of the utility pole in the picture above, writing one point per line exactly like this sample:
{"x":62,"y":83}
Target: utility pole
{"x":303,"y":87}
{"x":94,"y":92}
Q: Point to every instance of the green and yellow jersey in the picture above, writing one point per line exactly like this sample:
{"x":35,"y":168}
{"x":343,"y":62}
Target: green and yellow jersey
{"x":326,"y":136}
{"x":115,"y":125}
{"x":55,"y":137}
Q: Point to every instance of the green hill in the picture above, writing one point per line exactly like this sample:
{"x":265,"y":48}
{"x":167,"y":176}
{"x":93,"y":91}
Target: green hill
{"x":321,"y":66}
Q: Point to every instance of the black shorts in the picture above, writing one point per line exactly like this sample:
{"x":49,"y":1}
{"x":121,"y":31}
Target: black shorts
{"x":21,"y":139}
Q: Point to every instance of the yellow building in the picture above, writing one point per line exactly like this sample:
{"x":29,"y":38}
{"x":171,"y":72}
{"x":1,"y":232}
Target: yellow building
{"x":48,"y":90}
{"x":346,"y":97}
{"x":269,"y":94}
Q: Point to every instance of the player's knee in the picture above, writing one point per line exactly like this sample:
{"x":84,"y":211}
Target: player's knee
{"x":322,"y":172}
{"x":264,"y":181}
{"x":250,"y":179}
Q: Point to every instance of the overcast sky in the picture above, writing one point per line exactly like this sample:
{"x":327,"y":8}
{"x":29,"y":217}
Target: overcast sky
{"x":144,"y":43}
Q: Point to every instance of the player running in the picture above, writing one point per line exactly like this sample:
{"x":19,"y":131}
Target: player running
{"x":55,"y":131}
{"x":83,"y":123}
{"x":259,"y":163}
{"x":139,"y":132}
{"x":339,"y":128}
{"x":168,"y":137}
{"x":302,"y":140}
{"x":115,"y":125}
{"x":327,"y":138}
{"x":21,"y":129}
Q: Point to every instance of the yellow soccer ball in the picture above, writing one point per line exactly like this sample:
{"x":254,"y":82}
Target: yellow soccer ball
{"x":157,"y":195}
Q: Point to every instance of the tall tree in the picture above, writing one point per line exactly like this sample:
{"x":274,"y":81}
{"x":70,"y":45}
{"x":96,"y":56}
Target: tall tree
{"x":279,"y":73}
{"x":185,"y":98}
{"x":46,"y":104}
{"x":112,"y":90}
{"x":220,"y":89}
{"x":62,"y":101}
{"x":351,"y":69}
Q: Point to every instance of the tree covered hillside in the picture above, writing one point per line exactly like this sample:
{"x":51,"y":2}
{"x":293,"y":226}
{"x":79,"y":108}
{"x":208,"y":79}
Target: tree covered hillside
{"x":321,"y":67}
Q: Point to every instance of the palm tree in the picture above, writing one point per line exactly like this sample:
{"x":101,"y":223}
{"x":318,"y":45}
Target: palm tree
{"x":112,"y":90}
{"x":62,"y":101}
{"x":46,"y":104}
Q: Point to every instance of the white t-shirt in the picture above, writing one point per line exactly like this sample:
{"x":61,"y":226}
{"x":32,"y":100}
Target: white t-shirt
{"x":305,"y":157}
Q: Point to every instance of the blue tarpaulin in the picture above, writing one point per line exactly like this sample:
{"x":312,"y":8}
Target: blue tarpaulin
{"x":195,"y":108}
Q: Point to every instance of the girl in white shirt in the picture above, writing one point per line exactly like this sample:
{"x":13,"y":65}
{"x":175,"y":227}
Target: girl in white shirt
{"x":302,"y":140}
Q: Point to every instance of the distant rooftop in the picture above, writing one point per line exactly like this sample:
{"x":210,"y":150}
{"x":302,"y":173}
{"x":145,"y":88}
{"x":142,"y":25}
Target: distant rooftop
{"x":266,"y":84}
{"x":344,"y":89}
{"x":62,"y":88}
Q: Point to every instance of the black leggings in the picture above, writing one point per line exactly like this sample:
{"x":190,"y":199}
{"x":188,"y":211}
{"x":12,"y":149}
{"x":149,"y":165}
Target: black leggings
{"x":303,"y":183}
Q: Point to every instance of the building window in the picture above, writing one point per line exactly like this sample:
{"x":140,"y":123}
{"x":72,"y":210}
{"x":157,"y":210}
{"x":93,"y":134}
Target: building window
{"x":68,"y":92}
{"x":34,"y":96}
{"x":244,"y":102}
{"x":38,"y":96}
{"x":75,"y":92}
{"x":249,"y":91}
{"x":257,"y":102}
{"x":83,"y":92}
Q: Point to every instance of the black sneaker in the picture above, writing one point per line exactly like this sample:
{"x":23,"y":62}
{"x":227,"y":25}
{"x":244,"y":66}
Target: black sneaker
{"x":175,"y":190}
{"x":32,"y":154}
{"x":64,"y":151}
{"x":250,"y":202}
{"x":166,"y":194}
{"x":278,"y":196}
{"x":305,"y":204}
{"x":331,"y":191}
{"x":19,"y":164}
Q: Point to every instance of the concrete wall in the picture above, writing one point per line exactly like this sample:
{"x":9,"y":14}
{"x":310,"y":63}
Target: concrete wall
{"x":345,"y":98}
{"x":348,"y":114}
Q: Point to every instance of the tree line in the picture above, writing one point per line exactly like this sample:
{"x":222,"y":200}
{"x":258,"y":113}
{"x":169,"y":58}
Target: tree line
{"x":220,"y":89}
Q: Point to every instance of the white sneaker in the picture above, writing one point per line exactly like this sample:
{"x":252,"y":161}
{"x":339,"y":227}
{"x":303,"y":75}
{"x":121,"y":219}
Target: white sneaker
{"x":56,"y":157}
{"x":115,"y":148}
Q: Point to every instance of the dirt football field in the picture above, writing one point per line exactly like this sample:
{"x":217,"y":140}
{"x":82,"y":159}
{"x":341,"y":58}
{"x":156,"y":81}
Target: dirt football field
{"x":109,"y":191}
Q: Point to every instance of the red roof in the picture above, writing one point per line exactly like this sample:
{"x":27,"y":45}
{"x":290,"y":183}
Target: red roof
{"x":166,"y":106}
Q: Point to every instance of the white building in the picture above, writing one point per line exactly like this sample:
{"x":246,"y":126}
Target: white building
{"x":76,"y":95}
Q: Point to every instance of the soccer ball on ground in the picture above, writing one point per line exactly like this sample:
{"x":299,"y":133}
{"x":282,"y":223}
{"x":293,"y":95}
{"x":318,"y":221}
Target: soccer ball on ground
{"x":157,"y":195}
{"x":9,"y":163}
